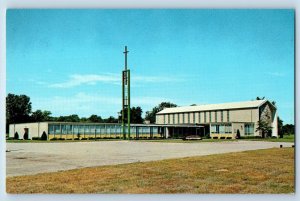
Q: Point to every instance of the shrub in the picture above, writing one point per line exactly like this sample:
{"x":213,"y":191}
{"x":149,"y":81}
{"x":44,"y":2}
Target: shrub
{"x":44,"y":136}
{"x":25,"y":136}
{"x":215,"y":137}
{"x":222,"y":138}
{"x":16,"y":136}
{"x":61,"y":138}
{"x":76,"y":139}
{"x":36,"y":138}
{"x":84,"y":138}
{"x":54,"y":138}
{"x":229,"y":138}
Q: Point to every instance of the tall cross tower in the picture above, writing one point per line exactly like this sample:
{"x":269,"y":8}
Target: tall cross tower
{"x":126,"y":97}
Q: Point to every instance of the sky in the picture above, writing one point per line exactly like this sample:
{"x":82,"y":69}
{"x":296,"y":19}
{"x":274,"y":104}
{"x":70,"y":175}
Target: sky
{"x":70,"y":61}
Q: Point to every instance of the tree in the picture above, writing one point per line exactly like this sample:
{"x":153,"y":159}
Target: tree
{"x":25,"y":136}
{"x":70,"y":118}
{"x":111,"y":119}
{"x":150,"y":115}
{"x":18,"y":109}
{"x":280,"y":124}
{"x":95,"y":118}
{"x":44,"y":136}
{"x":83,"y":119}
{"x":40,"y":115}
{"x":288,"y":129}
{"x":135,"y":115}
{"x":260,"y":98}
{"x":264,"y":128}
{"x":16,"y":136}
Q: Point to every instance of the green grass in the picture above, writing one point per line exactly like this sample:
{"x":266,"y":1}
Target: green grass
{"x":286,"y":138}
{"x":222,"y":173}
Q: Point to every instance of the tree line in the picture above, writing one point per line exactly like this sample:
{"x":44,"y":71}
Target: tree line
{"x":19,"y":110}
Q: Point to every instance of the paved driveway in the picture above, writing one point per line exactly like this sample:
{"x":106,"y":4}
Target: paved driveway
{"x":33,"y":158}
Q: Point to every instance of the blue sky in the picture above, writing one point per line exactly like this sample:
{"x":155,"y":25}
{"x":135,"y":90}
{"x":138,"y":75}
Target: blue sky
{"x":70,"y":61}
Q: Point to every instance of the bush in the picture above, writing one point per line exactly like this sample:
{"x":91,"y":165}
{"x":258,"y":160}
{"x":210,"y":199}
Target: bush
{"x":61,"y":138}
{"x":10,"y":138}
{"x":25,"y":136}
{"x":36,"y":138}
{"x":44,"y":136}
{"x":222,"y":138}
{"x":229,"y":138}
{"x":238,"y":134}
{"x":16,"y":136}
{"x":215,"y":137}
{"x":84,"y":138}
{"x":76,"y":138}
{"x":54,"y":138}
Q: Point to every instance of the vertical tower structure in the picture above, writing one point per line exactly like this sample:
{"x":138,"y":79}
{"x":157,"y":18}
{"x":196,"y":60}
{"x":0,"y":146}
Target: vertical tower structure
{"x":126,"y":98}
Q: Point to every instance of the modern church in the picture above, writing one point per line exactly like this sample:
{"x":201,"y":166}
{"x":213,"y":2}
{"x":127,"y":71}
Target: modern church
{"x":218,"y":121}
{"x":223,"y":121}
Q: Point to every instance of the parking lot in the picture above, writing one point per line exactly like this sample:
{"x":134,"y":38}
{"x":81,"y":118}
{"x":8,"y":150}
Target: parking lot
{"x":33,"y":158}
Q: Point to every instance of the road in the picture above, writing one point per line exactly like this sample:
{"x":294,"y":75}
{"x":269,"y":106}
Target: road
{"x":33,"y":158}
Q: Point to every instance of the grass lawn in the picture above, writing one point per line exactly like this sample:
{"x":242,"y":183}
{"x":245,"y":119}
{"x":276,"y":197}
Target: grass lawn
{"x":260,"y":171}
{"x":286,"y":138}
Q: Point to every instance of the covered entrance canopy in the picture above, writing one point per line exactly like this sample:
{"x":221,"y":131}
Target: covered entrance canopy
{"x":181,"y":131}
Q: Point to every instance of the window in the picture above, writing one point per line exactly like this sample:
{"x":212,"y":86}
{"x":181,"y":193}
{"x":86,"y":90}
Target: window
{"x":213,"y":129}
{"x":168,"y":118}
{"x":222,"y":116}
{"x":164,"y":116}
{"x":216,"y":116}
{"x":51,"y":129}
{"x":189,"y":114}
{"x":183,"y":119}
{"x":209,"y":116}
{"x":56,"y":129}
{"x":204,"y":117}
{"x":249,"y":129}
{"x":194,"y":117}
{"x":220,"y":128}
{"x":227,"y":115}
{"x":199,"y":117}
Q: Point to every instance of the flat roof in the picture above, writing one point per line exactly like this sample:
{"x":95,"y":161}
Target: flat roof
{"x":209,"y":107}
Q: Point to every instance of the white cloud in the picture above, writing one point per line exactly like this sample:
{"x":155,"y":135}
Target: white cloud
{"x":85,"y":104}
{"x":108,"y":78}
{"x":90,"y":79}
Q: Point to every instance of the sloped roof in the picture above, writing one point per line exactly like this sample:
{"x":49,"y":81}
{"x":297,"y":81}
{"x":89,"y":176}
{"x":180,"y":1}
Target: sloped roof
{"x":207,"y":107}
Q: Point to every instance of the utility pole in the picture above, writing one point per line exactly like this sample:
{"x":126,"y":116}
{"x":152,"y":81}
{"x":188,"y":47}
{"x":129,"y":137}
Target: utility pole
{"x":126,"y":97}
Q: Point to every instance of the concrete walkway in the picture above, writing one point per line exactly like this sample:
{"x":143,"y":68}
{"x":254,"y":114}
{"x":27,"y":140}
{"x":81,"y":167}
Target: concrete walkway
{"x":33,"y":158}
